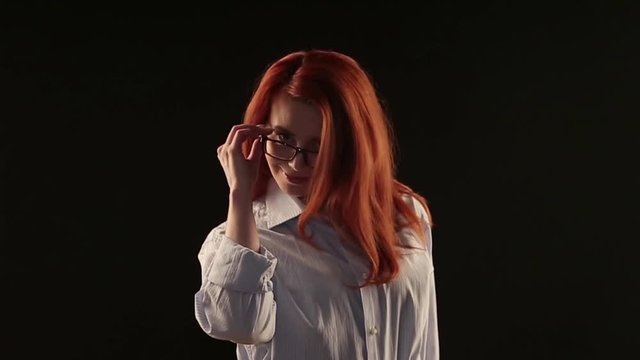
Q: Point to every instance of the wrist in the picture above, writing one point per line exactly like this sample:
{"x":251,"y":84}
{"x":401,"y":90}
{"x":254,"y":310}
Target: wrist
{"x":240,"y":196}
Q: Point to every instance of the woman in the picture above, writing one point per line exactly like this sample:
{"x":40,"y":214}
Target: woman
{"x":324,"y":254}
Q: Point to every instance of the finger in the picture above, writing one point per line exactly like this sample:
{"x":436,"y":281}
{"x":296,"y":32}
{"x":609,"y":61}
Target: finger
{"x":233,"y":131}
{"x":242,"y":135}
{"x":256,"y":150}
{"x":219,"y":151}
{"x":264,"y":126}
{"x":260,"y":128}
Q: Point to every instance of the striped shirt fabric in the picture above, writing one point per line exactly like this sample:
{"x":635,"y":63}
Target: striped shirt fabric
{"x":292,"y":301}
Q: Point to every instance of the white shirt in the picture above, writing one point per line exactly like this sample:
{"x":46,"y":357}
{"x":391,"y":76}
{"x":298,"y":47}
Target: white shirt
{"x":290,"y":301}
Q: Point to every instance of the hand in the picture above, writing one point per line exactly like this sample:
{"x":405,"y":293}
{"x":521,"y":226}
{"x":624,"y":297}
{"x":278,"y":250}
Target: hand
{"x":242,"y":172}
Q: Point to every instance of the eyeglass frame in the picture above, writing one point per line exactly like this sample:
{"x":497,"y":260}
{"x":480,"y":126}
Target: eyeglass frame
{"x":304,"y":152}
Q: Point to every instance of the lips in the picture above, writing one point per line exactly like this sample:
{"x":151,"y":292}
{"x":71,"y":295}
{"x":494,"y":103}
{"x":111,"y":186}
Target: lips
{"x":296,"y":179}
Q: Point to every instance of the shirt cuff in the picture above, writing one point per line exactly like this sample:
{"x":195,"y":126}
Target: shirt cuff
{"x":239,"y":268}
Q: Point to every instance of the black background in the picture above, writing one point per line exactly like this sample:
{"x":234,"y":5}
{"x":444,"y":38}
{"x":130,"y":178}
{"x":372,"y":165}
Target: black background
{"x":518,"y":123}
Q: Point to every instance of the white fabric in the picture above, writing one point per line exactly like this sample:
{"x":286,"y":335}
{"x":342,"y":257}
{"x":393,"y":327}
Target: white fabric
{"x":290,"y":301}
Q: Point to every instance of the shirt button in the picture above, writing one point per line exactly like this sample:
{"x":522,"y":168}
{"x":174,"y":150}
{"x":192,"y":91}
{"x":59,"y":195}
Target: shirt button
{"x":364,"y":275}
{"x":373,"y":330}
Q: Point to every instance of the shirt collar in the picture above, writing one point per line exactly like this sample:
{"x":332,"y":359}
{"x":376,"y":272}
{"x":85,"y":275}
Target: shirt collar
{"x":280,"y":206}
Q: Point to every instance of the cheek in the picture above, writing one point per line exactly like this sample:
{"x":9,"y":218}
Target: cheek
{"x":274,"y":165}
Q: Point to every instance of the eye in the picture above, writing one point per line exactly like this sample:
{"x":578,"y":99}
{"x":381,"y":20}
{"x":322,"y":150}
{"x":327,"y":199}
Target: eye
{"x":283,"y":137}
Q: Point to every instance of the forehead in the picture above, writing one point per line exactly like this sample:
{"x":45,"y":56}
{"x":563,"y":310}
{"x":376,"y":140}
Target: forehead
{"x":300,"y":118}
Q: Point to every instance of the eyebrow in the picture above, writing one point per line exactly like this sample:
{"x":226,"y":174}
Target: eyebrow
{"x":287,"y":132}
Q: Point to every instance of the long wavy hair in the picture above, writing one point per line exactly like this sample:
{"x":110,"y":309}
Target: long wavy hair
{"x":354,"y":181}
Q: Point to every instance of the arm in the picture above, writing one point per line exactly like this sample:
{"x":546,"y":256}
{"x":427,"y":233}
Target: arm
{"x":235,"y":301}
{"x":241,"y":226}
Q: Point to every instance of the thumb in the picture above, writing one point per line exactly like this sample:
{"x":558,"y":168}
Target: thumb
{"x":256,"y":150}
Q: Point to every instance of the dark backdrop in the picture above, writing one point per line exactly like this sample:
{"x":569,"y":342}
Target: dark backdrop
{"x":517,"y":122}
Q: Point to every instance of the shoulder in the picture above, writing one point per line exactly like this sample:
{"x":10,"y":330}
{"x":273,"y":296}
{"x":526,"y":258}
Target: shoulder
{"x":418,"y":205}
{"x":408,"y":236}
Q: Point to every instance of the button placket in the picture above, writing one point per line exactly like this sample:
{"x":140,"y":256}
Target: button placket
{"x":369,"y":304}
{"x":367,"y":294}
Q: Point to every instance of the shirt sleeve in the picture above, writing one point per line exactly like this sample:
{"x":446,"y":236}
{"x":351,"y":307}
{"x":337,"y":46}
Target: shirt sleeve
{"x":235,"y":301}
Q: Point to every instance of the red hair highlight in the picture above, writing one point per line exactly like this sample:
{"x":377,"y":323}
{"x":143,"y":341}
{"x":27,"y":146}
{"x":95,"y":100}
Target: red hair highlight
{"x":354,"y":182}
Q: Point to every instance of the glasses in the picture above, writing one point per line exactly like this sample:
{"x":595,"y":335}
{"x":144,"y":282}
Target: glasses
{"x":286,"y":152}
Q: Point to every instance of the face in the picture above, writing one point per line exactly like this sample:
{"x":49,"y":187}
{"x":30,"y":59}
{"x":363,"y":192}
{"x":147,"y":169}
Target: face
{"x":300,"y":124}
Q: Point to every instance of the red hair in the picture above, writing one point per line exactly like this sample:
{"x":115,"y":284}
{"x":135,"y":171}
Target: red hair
{"x":354,"y":181}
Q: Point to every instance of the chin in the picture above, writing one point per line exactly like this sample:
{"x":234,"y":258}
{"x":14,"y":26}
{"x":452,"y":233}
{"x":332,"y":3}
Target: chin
{"x":293,"y":190}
